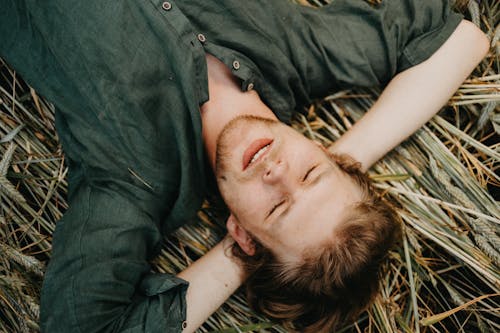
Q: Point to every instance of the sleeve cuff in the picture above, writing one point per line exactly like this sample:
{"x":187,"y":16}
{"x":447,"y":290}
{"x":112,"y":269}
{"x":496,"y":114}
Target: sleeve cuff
{"x":425,"y":45}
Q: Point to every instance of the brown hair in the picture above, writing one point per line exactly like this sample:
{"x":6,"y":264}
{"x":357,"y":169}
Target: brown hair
{"x":335,"y":281}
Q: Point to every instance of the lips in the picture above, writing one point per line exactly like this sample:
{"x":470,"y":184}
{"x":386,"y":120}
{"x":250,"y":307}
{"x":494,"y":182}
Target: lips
{"x":253,"y":149}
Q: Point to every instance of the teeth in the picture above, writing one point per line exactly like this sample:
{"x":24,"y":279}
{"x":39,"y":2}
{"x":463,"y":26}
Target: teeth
{"x":259,"y":153}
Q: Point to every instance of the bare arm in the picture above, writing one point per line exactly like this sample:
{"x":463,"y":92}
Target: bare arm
{"x":212,"y":279}
{"x":414,"y":96}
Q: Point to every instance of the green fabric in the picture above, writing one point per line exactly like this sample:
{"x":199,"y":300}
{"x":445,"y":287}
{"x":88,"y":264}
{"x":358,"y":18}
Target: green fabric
{"x":127,"y":78}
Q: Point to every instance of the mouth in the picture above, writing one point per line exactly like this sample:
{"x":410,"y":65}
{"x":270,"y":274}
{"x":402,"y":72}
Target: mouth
{"x":256,"y":151}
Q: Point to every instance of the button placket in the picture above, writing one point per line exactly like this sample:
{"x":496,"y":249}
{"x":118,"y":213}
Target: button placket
{"x":201,"y":38}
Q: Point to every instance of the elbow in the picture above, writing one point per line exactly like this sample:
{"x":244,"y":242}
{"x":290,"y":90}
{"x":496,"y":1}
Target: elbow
{"x":480,"y":43}
{"x":483,"y":43}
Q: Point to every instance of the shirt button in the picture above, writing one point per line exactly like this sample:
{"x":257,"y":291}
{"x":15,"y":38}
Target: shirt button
{"x":202,"y":38}
{"x":250,"y":86}
{"x":166,"y":5}
{"x":236,"y":64}
{"x":184,"y":325}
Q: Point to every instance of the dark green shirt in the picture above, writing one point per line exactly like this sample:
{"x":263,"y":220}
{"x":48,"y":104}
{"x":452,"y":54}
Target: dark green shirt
{"x":127,"y":79}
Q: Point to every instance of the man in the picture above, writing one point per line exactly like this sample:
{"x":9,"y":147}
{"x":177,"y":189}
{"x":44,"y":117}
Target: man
{"x":144,"y":89}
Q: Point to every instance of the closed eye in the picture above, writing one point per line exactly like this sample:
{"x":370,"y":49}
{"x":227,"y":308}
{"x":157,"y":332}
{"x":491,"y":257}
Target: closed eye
{"x":275,"y":207}
{"x":308,"y":173}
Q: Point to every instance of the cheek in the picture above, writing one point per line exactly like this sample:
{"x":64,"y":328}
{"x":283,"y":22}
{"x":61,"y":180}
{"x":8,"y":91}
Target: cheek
{"x":305,"y":151}
{"x":246,"y":200}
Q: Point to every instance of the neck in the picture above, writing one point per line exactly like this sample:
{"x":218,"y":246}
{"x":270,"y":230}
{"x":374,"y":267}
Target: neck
{"x":226,"y":102}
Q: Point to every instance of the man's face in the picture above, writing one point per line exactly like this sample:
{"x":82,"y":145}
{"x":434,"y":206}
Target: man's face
{"x":280,"y":186}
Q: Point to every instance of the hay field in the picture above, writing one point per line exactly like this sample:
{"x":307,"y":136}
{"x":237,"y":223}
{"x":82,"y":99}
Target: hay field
{"x":444,"y":276}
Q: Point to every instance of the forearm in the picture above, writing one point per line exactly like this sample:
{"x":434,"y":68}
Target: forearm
{"x":212,"y":279}
{"x":414,"y":96}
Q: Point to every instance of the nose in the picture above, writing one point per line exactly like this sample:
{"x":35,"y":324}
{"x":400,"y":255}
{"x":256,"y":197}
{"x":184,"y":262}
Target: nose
{"x":275,"y":172}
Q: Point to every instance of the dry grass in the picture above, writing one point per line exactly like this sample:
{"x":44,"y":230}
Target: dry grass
{"x":444,"y":277}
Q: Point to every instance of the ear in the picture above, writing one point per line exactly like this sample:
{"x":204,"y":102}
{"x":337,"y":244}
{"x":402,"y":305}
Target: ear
{"x":240,"y":235}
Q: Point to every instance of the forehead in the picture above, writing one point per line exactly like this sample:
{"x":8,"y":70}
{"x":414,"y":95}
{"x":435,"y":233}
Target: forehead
{"x":315,"y":213}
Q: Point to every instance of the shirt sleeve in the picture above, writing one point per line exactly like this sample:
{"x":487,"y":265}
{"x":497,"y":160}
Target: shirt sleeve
{"x":353,"y":43}
{"x":98,"y":279}
{"x":93,"y":61}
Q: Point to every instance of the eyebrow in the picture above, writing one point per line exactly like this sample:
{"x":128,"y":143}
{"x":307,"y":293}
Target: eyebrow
{"x":279,"y":219}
